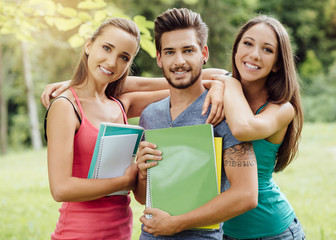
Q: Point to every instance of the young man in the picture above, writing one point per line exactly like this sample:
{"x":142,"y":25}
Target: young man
{"x":180,"y":37}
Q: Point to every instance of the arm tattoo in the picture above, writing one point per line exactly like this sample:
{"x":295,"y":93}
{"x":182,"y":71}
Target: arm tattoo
{"x":241,"y":155}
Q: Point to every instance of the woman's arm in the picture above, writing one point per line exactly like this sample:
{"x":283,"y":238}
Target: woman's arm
{"x":134,"y":83}
{"x":215,"y":97}
{"x":61,"y":127}
{"x":143,"y":91}
{"x":208,"y":73}
{"x":143,"y":84}
{"x":135,"y":102}
{"x":244,"y":125}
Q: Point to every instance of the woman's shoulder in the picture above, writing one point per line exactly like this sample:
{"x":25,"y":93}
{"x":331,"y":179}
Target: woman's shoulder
{"x":66,"y":100}
{"x":286,"y":107}
{"x":64,"y":97}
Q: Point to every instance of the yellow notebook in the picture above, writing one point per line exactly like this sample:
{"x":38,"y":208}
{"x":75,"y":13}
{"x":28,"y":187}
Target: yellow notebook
{"x":218,"y":150}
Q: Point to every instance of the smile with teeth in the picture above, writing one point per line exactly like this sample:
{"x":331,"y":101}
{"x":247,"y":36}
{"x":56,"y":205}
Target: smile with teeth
{"x":180,"y":73}
{"x":105,"y":70}
{"x":249,"y":65}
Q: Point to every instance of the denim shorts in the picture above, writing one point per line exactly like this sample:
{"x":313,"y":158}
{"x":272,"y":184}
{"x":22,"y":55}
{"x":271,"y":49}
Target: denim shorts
{"x":293,"y":232}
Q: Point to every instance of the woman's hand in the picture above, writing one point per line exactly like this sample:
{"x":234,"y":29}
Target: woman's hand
{"x":215,"y":97}
{"x":131,"y":175}
{"x":53,"y":90}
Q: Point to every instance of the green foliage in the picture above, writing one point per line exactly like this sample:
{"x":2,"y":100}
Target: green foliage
{"x":53,"y":58}
{"x":57,"y":28}
{"x":87,"y":22}
{"x":19,"y":129}
{"x":28,"y":211}
{"x":146,"y":38}
{"x":22,"y":18}
{"x":319,"y":96}
{"x":308,"y":24}
{"x":311,"y":66}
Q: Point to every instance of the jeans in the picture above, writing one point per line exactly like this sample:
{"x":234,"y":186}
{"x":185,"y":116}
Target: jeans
{"x":187,"y":234}
{"x":293,"y":232}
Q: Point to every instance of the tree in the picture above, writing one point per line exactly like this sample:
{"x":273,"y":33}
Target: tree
{"x":29,"y":21}
{"x":311,"y":25}
{"x":3,"y":111}
{"x":15,"y":21}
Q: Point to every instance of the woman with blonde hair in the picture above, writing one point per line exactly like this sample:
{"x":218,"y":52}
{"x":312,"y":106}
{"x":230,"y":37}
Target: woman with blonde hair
{"x":97,"y":94}
{"x":72,"y":124}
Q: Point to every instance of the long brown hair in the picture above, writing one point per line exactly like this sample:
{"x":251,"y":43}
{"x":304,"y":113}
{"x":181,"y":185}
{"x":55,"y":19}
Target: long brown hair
{"x":282,"y":86}
{"x":113,"y":89}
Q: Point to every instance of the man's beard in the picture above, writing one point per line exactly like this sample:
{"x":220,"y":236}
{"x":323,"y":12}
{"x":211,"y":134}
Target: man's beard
{"x":182,"y":85}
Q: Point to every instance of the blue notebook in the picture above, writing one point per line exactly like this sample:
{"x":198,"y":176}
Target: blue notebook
{"x":115,"y":149}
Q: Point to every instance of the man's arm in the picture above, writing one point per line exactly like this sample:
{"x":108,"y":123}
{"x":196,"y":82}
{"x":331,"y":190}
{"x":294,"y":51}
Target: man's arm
{"x":241,"y":169}
{"x":147,"y":151}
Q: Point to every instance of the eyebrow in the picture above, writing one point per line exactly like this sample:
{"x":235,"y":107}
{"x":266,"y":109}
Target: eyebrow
{"x":185,"y":47}
{"x":265,"y":42}
{"x":112,"y":46}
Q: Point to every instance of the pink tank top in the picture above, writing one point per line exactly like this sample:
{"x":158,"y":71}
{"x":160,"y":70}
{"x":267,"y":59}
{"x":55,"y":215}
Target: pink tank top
{"x":104,"y":218}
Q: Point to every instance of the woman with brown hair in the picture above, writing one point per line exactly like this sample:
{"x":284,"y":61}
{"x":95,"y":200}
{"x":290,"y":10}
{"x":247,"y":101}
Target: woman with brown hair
{"x":262,"y":104}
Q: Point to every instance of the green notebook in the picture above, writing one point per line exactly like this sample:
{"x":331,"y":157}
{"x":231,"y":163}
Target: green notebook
{"x":115,"y":149}
{"x":186,"y":177}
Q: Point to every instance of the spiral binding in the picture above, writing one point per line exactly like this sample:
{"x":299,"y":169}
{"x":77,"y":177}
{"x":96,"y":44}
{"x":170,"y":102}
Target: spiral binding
{"x":99,"y":155}
{"x":149,"y":200}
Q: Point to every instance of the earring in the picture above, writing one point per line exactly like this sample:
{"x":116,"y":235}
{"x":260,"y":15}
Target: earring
{"x":204,"y":62}
{"x":87,"y":52}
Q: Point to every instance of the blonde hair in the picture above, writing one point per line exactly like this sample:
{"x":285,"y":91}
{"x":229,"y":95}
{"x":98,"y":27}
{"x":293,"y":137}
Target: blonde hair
{"x":113,"y":89}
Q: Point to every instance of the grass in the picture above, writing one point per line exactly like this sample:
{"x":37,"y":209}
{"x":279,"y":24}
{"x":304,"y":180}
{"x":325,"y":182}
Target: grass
{"x":28,"y":211}
{"x":309,"y":182}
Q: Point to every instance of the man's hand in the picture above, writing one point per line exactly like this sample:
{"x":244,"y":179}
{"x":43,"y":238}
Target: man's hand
{"x":161,"y":223}
{"x":147,"y":151}
{"x":53,"y":90}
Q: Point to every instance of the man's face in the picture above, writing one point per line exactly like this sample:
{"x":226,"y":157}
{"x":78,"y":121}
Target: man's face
{"x":181,"y":58}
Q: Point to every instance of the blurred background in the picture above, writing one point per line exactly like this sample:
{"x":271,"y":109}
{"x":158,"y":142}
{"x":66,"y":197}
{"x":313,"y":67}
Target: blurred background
{"x":40,"y":42}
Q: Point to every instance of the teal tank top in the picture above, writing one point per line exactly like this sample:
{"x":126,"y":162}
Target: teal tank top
{"x":273,"y":213}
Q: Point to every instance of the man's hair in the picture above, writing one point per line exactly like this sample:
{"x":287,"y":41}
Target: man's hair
{"x":177,"y":19}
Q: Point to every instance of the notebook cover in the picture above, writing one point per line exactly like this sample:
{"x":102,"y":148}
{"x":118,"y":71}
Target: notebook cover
{"x":186,"y":177}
